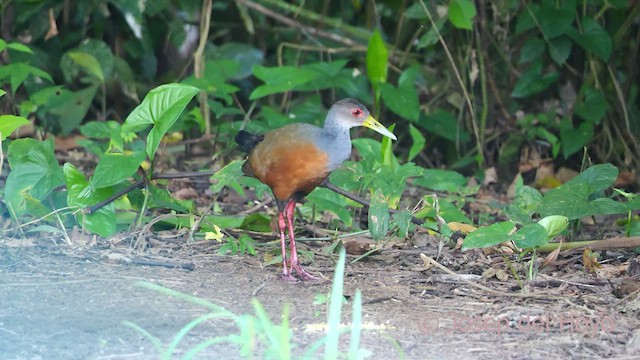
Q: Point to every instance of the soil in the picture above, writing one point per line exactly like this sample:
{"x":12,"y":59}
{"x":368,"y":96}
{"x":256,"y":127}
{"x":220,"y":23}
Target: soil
{"x":62,"y":301}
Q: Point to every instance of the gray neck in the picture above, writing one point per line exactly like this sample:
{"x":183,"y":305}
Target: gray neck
{"x":336,"y":141}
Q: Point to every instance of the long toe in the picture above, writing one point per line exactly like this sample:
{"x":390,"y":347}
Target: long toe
{"x":288,"y":278}
{"x":302,"y":273}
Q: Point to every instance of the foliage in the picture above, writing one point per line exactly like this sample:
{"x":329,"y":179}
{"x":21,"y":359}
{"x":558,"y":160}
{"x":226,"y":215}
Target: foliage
{"x":258,"y":334}
{"x":465,"y":85}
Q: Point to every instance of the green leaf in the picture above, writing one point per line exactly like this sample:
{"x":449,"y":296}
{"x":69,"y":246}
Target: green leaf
{"x":88,"y":63}
{"x":555,"y":19}
{"x":574,"y":140}
{"x":560,"y":49}
{"x":19,"y":72}
{"x":161,"y":108}
{"x":228,"y":176}
{"x":377,"y":60}
{"x":461,"y":13}
{"x":532,"y":81}
{"x":442,"y":180}
{"x":403,"y":220}
{"x":19,"y":47}
{"x":34,"y":171}
{"x":554,"y":225}
{"x":67,"y":109}
{"x":9,"y":124}
{"x":443,"y":124}
{"x":378,"y":216}
{"x":579,"y":197}
{"x":113,"y":169}
{"x":92,"y":56}
{"x":280,"y":79}
{"x":402,"y":100}
{"x":593,"y":106}
{"x":80,"y":194}
{"x":327,"y":200}
{"x":161,"y":199}
{"x":526,"y":201}
{"x":593,"y":38}
{"x":531,"y":236}
{"x":418,"y":142}
{"x":532,"y":50}
{"x":491,"y":235}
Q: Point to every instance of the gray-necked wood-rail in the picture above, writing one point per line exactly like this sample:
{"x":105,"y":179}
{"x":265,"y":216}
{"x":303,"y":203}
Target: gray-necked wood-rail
{"x":296,"y":158}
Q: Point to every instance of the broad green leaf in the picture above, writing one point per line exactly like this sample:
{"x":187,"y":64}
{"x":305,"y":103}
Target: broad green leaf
{"x":88,"y":63}
{"x":162,"y":199}
{"x":593,"y":38}
{"x":442,"y":180}
{"x":228,"y":176}
{"x":555,"y":19}
{"x":19,"y":72}
{"x":92,"y":56}
{"x":161,"y":108}
{"x":66,"y":109}
{"x":80,"y":194}
{"x":560,"y":49}
{"x":491,"y":235}
{"x":9,"y":124}
{"x":377,"y":60}
{"x":431,"y":37}
{"x":19,"y":47}
{"x":257,"y":222}
{"x":554,"y":225}
{"x":403,"y":220}
{"x":443,"y":124}
{"x":418,"y":142}
{"x":574,"y":140}
{"x":378,"y":216}
{"x":579,"y":197}
{"x":525,"y":203}
{"x":532,"y":50}
{"x":402,"y":100}
{"x":327,"y":200}
{"x":593,"y":106}
{"x":532,"y":81}
{"x":330,"y":75}
{"x":461,"y":13}
{"x":34,"y":171}
{"x":2,"y":93}
{"x":448,"y":211}
{"x":113,"y":169}
{"x":531,"y":236}
{"x":280,"y":79}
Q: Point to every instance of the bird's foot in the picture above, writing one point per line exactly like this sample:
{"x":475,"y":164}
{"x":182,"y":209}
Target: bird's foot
{"x":304,"y":276}
{"x":289,"y":278}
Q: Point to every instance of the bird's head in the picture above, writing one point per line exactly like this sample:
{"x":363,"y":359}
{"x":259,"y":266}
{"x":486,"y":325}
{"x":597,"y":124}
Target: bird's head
{"x":350,"y":113}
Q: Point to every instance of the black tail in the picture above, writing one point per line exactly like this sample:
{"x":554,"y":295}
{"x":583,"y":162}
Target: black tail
{"x":247,"y":141}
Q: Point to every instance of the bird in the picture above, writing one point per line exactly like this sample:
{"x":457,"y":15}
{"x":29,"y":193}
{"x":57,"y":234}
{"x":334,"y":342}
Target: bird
{"x":296,"y":158}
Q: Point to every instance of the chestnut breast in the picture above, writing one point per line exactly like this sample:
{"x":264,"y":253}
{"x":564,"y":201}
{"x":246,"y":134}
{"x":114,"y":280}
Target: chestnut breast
{"x":289,"y":161}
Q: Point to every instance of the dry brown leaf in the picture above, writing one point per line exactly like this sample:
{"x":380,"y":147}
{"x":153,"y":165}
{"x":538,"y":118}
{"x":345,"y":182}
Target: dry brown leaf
{"x":551,"y":257}
{"x":590,"y":261}
{"x":490,"y":176}
{"x":188,"y":193}
{"x":53,"y":26}
{"x":463,"y":228}
{"x":359,"y":246}
{"x":633,"y":269}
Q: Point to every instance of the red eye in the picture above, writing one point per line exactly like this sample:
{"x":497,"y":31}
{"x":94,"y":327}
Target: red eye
{"x":356,"y":112}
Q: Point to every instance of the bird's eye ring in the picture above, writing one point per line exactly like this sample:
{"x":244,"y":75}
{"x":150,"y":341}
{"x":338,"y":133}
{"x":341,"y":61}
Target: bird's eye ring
{"x":356,"y":112}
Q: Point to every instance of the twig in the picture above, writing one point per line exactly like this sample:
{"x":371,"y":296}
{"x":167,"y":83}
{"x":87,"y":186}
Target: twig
{"x":482,"y":287}
{"x":361,"y":201}
{"x":186,"y":266}
{"x":138,"y":183}
{"x":283,"y":19}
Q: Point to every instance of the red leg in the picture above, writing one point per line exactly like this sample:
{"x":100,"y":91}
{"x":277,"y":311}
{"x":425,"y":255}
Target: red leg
{"x":295,"y":264}
{"x":286,"y":274}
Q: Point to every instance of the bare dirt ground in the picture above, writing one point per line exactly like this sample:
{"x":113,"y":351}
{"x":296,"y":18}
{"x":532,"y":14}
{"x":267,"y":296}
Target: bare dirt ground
{"x":70,"y":302}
